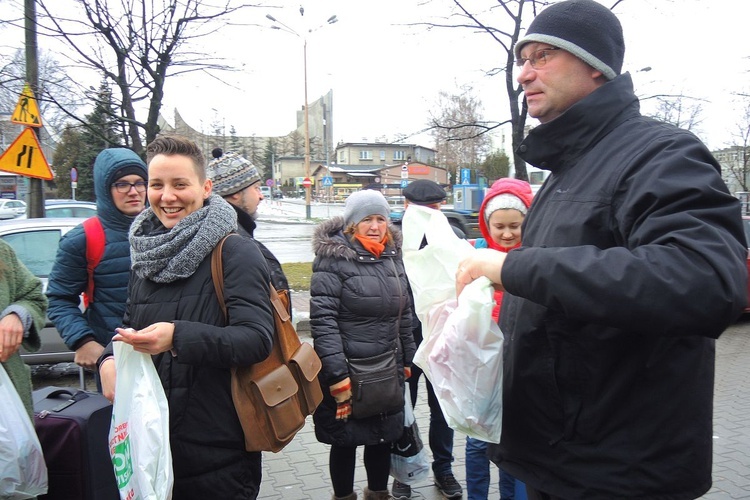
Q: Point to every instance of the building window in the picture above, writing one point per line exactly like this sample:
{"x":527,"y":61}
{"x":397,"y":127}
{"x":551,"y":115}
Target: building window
{"x":382,"y":155}
{"x":365,"y":155}
{"x":341,"y":157}
{"x":399,"y":155}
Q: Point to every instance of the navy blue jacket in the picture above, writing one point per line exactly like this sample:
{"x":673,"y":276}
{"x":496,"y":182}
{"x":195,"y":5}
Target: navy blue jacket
{"x":69,"y":278}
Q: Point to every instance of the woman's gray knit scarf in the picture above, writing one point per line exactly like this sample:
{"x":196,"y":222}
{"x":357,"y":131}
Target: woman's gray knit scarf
{"x":168,"y":256}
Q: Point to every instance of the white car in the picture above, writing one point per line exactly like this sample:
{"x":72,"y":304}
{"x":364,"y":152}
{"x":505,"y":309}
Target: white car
{"x":10,"y":209}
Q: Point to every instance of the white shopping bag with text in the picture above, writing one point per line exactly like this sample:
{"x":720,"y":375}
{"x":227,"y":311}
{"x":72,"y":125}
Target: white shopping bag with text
{"x":139,"y":436}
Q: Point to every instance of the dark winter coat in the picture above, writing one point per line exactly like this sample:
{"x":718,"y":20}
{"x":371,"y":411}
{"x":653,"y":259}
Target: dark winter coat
{"x":633,"y":262}
{"x":69,"y":277}
{"x":359,"y":307}
{"x":246,"y":227}
{"x":206,"y":437}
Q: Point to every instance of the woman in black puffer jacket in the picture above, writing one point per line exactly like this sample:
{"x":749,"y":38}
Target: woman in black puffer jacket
{"x":175,"y":315}
{"x":359,"y":307}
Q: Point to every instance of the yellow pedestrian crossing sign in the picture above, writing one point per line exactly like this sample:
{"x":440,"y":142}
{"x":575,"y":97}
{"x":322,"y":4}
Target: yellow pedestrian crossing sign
{"x":25,"y":157}
{"x":27,"y":110}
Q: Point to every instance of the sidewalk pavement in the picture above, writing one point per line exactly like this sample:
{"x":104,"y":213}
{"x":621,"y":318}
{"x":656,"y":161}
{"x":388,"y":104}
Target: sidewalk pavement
{"x":300,"y":471}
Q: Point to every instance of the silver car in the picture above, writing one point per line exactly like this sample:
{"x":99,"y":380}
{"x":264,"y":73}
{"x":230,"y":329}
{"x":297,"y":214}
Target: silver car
{"x":35,"y":241}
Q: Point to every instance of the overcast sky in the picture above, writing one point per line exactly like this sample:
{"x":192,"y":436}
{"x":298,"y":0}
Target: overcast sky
{"x":386,"y":74}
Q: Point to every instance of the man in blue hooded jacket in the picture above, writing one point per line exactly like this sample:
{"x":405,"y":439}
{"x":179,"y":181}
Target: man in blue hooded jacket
{"x":120,"y":184}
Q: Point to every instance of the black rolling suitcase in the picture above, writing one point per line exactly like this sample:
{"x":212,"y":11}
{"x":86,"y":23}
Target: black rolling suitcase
{"x":73,"y":428}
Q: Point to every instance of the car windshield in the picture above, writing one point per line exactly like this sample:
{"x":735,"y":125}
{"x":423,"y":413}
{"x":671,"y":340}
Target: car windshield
{"x":36,"y":249}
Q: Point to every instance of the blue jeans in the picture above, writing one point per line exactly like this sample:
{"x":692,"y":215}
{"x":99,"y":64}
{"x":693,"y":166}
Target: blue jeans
{"x":478,"y":475}
{"x":440,"y":435}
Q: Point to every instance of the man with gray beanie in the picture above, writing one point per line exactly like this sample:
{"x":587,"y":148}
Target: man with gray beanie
{"x":238,"y":181}
{"x":632,"y":264}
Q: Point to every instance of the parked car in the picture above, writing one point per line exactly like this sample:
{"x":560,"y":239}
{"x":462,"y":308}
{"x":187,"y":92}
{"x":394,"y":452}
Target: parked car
{"x":10,"y":209}
{"x":56,"y":208}
{"x":69,"y":208}
{"x":35,"y":241}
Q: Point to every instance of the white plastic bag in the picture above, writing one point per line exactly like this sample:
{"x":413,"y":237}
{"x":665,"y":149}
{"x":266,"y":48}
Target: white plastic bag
{"x":409,"y":461}
{"x":461,"y":351}
{"x":465,"y":363}
{"x":139,"y":436}
{"x":23,"y":473}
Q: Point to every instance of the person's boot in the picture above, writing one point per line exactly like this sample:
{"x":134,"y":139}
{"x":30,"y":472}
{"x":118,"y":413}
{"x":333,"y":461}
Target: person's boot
{"x":377,"y":495}
{"x":350,"y":496}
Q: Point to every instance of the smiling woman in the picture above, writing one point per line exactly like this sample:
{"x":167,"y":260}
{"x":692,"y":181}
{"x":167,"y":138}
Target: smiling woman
{"x":175,"y":188}
{"x":172,"y":313}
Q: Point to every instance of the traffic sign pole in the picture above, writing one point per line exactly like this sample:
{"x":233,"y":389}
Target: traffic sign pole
{"x":73,"y":181}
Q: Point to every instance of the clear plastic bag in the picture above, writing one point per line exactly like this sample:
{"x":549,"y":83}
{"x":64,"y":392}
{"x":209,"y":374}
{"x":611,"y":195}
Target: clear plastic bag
{"x":23,"y":472}
{"x":409,"y":461}
{"x":461,"y":351}
{"x":139,"y":436}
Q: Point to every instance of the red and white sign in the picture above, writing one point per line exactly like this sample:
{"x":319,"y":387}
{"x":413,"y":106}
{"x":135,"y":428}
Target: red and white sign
{"x":307,"y":182}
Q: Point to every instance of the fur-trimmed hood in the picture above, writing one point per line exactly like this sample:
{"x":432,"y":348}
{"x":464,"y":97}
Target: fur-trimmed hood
{"x":329,"y":241}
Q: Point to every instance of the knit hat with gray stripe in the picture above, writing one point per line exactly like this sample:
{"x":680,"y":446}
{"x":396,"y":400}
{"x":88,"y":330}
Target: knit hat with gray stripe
{"x":230,"y":173}
{"x":585,"y":28}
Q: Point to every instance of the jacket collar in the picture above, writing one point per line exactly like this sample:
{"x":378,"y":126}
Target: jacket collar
{"x":553,"y":145}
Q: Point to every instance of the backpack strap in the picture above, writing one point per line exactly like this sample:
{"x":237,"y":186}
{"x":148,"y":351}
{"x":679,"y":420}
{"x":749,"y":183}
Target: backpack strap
{"x":95,"y":242}
{"x":217,"y":276}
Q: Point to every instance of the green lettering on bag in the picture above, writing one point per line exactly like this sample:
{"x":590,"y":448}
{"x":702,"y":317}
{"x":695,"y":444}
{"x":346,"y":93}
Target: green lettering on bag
{"x":123,"y":463}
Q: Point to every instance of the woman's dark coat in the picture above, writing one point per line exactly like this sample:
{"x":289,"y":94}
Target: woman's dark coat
{"x":359,"y":307}
{"x":206,"y":437}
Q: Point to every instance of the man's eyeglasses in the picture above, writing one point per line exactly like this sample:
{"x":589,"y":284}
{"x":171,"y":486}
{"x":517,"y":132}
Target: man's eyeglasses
{"x":124,"y":187}
{"x":538,"y":58}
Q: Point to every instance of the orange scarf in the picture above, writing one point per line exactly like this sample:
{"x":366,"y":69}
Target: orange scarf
{"x":372,"y":246}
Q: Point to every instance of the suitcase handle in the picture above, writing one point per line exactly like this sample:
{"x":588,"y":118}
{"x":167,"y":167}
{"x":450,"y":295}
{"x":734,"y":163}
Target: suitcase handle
{"x":74,"y":398}
{"x":73,"y":395}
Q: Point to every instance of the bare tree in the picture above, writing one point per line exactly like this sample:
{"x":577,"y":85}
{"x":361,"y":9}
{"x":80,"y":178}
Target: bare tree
{"x":506,"y":31}
{"x":136,"y":46}
{"x":459,"y":137}
{"x":738,"y":162}
{"x":680,"y":110}
{"x":55,"y":89}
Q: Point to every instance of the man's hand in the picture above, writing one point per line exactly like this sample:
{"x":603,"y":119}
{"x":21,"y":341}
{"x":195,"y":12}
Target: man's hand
{"x":108,"y":377}
{"x":11,"y":335}
{"x":483,"y":262}
{"x":88,"y":354}
{"x":153,"y":339}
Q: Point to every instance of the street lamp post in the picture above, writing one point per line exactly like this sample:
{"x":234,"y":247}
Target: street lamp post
{"x":307,"y":139}
{"x":330,"y":20}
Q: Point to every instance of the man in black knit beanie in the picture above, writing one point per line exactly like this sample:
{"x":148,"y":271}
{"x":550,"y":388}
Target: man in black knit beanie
{"x":632,"y":264}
